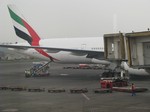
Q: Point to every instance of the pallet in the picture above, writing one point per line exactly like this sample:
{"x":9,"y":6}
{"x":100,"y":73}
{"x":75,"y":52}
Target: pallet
{"x":83,"y":90}
{"x":102,"y":90}
{"x":56,"y":90}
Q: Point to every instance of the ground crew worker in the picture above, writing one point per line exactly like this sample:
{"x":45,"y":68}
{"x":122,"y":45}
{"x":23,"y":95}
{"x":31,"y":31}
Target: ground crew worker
{"x":133,"y":90}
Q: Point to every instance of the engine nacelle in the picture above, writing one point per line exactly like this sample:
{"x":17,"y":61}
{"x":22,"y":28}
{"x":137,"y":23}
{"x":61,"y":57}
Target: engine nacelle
{"x":103,"y":62}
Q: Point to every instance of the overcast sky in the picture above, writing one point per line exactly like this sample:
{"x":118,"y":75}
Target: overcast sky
{"x":77,"y":18}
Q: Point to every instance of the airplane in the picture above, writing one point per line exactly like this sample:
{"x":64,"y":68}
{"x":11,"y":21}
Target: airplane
{"x":80,"y":50}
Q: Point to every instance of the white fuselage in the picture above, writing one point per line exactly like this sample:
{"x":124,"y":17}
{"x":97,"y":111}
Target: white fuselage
{"x":84,"y":43}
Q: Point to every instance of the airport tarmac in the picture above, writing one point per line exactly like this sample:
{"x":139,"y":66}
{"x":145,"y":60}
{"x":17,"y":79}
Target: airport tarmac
{"x":12,"y":74}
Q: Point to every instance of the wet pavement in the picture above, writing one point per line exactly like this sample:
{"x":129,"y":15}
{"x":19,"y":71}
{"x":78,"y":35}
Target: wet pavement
{"x":12,"y":74}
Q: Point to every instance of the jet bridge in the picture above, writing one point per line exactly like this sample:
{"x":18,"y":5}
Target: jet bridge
{"x":114,"y":47}
{"x":134,"y":48}
{"x":138,"y":48}
{"x":115,"y":51}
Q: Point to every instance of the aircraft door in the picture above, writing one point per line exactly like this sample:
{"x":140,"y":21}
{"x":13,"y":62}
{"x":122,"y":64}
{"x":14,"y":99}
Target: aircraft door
{"x":83,"y":46}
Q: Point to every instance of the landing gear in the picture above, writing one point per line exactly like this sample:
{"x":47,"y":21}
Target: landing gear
{"x":116,"y":71}
{"x":115,"y":75}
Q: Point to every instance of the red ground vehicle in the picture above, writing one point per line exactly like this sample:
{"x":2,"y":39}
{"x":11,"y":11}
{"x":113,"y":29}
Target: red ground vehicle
{"x":106,"y":83}
{"x":113,"y":83}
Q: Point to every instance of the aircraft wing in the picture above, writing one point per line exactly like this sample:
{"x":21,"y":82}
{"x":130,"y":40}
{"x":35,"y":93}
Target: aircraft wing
{"x":78,"y":52}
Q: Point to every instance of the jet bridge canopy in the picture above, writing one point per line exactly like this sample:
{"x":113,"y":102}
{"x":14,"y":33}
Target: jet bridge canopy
{"x":114,"y":48}
{"x":138,"y":47}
